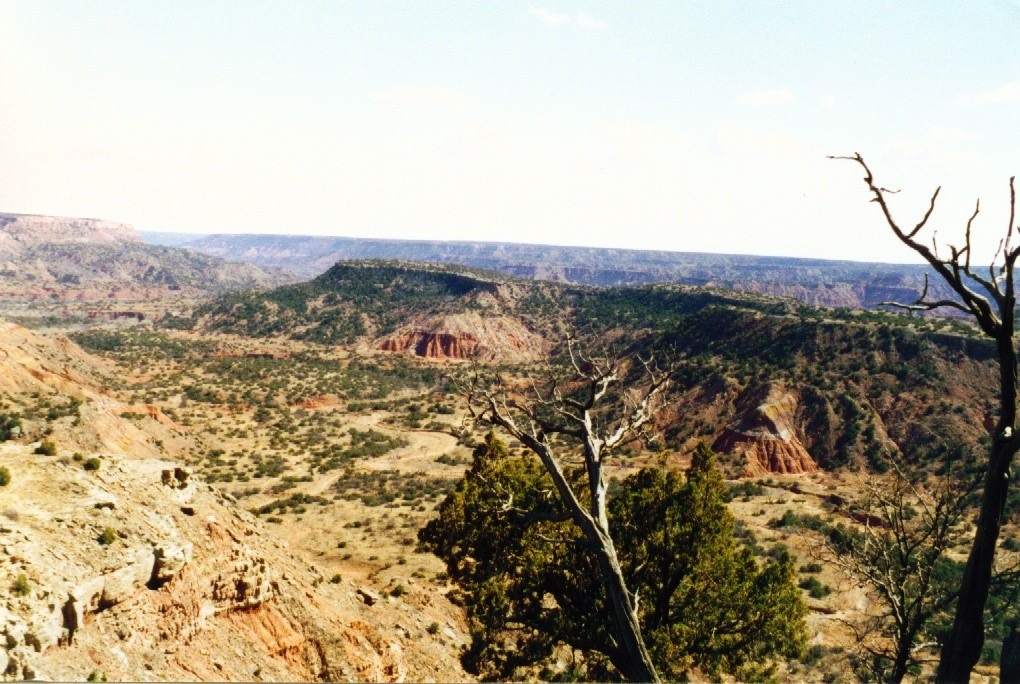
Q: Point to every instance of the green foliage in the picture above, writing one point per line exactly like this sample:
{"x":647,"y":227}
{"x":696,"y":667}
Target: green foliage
{"x":92,"y":464}
{"x":46,"y":448}
{"x":814,"y":588}
{"x":296,"y":503}
{"x":5,"y":476}
{"x":107,"y":536}
{"x":745,"y":489}
{"x":531,"y":584}
{"x":789,"y":519}
{"x":343,"y":297}
{"x":384,"y":487}
{"x":10,"y":425}
{"x":21,"y":586}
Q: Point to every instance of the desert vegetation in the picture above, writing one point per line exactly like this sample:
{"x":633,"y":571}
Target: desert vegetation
{"x":372,"y":466}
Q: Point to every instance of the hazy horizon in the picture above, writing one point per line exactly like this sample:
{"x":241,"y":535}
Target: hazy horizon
{"x":694,"y":127}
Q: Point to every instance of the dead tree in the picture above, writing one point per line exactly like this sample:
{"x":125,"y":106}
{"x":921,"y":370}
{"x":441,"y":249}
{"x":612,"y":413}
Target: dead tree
{"x":899,"y":556}
{"x":570,"y":406}
{"x":991,"y":301}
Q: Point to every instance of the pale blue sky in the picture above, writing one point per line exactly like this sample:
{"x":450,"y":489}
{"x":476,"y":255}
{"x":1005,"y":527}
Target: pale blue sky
{"x":665,"y":125}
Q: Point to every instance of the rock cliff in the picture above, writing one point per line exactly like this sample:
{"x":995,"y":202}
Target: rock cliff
{"x":467,"y":336}
{"x":18,"y":231}
{"x":764,"y":435}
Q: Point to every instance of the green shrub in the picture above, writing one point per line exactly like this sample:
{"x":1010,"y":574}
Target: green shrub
{"x":814,"y":588}
{"x":21,"y":586}
{"x":46,"y":448}
{"x":107,"y":536}
{"x":433,"y":628}
{"x":5,"y":476}
{"x":336,"y":579}
{"x":813,"y":655}
{"x":10,"y":425}
{"x":92,"y":463}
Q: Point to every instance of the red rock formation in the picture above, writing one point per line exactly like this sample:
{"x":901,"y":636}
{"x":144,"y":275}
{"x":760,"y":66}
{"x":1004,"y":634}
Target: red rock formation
{"x":765,"y":438}
{"x":432,"y":345}
{"x":467,"y":336}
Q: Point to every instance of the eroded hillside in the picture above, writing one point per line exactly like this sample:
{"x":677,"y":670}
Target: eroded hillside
{"x":85,"y":268}
{"x":119,"y":562}
{"x":320,"y":425}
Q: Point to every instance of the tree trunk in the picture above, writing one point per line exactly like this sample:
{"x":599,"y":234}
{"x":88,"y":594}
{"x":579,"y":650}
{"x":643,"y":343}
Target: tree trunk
{"x":635,"y":663}
{"x":1009,"y":661}
{"x":963,"y":647}
{"x":899,"y":670}
{"x":633,"y":660}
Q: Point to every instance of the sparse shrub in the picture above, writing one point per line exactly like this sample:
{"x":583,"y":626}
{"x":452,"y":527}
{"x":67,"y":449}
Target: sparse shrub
{"x":788,"y":519}
{"x":92,"y":464}
{"x":5,"y":476}
{"x":21,"y":587}
{"x":814,"y":588}
{"x":10,"y":426}
{"x":811,"y":568}
{"x":433,"y":628}
{"x":46,"y":448}
{"x":813,"y":655}
{"x":398,"y":591}
{"x":336,"y":579}
{"x":744,"y":490}
{"x":107,"y":536}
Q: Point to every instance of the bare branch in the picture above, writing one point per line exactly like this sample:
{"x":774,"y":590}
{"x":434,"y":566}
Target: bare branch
{"x":970,"y":222}
{"x":973,"y":303}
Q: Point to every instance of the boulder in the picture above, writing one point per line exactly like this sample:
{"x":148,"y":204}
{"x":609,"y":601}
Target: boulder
{"x":368,"y":596}
{"x":125,"y":580}
{"x":168,"y":560}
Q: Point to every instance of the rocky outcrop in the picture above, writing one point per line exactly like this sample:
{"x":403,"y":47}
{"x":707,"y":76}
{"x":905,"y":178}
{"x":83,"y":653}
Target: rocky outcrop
{"x":467,"y":336}
{"x":432,"y":345}
{"x":18,"y":231}
{"x":246,"y":585}
{"x":183,"y":592}
{"x":764,"y":436}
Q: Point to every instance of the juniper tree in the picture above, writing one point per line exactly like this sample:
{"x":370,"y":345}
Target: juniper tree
{"x":533,"y":587}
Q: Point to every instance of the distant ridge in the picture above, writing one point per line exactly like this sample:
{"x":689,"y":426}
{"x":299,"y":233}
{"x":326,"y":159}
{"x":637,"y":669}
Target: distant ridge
{"x":20,"y":231}
{"x":56,"y":258}
{"x":821,"y":282}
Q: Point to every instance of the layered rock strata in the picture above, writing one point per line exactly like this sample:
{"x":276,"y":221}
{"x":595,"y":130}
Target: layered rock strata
{"x":765,"y":437}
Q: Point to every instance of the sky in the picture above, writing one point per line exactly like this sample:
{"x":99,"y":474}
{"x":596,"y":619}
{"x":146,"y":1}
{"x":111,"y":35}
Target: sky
{"x":686,"y":126}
